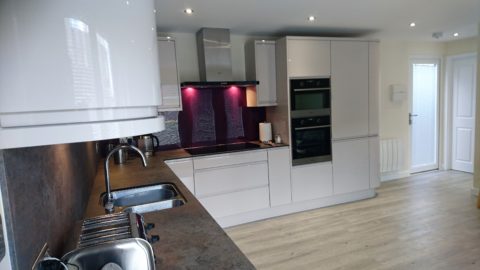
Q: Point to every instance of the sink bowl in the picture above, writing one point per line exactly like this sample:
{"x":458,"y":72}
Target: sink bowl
{"x":129,"y":254}
{"x":146,"y":199}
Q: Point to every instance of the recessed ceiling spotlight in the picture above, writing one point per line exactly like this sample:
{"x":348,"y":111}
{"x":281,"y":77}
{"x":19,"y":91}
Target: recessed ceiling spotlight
{"x":169,"y":37}
{"x":413,"y":24}
{"x":311,"y":18}
{"x":188,"y":11}
{"x":456,"y":34}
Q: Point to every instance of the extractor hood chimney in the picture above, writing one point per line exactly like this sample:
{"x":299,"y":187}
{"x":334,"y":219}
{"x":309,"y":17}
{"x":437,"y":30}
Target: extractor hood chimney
{"x":215,"y":59}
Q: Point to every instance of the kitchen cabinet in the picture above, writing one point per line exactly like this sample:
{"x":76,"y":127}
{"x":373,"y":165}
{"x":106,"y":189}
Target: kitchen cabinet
{"x":308,"y":57}
{"x":374,"y":154}
{"x":261,"y":66}
{"x":236,"y":202}
{"x":350,"y":89}
{"x":170,"y":83}
{"x":312,"y":181}
{"x":69,"y":75}
{"x":232,"y":183}
{"x":279,"y":176}
{"x":183,"y":169}
{"x":374,"y":88}
{"x":351,"y":165}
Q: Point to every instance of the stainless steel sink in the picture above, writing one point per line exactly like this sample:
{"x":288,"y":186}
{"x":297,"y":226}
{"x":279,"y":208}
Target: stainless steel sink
{"x":129,"y":254}
{"x":146,"y":199}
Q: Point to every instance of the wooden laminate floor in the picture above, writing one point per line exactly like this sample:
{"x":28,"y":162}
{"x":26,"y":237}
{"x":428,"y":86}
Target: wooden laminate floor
{"x":427,"y":221}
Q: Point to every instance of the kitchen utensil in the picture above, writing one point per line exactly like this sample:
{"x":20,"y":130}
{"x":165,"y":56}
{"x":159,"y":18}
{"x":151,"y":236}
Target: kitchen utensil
{"x":146,"y":143}
{"x":278,"y":139}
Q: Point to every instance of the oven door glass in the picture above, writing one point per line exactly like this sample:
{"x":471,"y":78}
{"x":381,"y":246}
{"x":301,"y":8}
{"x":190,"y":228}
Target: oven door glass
{"x":312,"y":142}
{"x":311,"y":100}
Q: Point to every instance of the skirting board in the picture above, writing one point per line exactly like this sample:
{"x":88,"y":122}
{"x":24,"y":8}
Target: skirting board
{"x":394,"y":175}
{"x":475,"y":191}
{"x":281,"y":210}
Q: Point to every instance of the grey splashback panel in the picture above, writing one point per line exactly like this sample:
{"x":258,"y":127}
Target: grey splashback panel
{"x":48,"y":188}
{"x":2,"y":242}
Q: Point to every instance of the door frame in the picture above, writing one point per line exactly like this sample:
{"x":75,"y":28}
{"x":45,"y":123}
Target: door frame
{"x":439,"y":61}
{"x":448,"y":111}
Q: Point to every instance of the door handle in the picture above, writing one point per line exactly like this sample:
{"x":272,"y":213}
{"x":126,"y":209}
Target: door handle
{"x":410,"y":115}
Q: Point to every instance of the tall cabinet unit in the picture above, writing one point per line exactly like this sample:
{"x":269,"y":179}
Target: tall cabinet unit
{"x":261,"y":66}
{"x":170,"y":82}
{"x":308,"y":57}
{"x":354,"y":115}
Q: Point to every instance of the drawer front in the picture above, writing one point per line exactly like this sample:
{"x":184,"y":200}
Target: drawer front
{"x":229,"y":159}
{"x":236,"y":202}
{"x":216,"y":181}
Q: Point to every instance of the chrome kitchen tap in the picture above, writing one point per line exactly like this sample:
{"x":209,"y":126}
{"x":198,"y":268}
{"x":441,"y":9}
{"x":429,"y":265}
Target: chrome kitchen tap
{"x":109,"y":202}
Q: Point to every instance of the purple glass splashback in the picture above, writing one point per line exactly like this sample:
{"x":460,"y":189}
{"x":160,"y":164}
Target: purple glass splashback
{"x":217,"y":115}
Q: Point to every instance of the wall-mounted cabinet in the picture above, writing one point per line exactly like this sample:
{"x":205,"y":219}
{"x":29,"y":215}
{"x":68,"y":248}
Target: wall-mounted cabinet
{"x":261,"y":66}
{"x":170,"y":82}
{"x":69,"y":75}
{"x":308,"y":57}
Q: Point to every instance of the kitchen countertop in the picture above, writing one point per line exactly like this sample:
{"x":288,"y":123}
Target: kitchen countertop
{"x":189,"y":237}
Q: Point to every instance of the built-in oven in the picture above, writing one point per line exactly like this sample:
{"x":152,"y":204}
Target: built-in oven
{"x":310,"y":97}
{"x":311,"y":140}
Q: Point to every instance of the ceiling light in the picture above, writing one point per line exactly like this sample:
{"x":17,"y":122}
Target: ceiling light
{"x":311,"y":18}
{"x":412,"y":24}
{"x":188,"y":11}
{"x":456,"y":34}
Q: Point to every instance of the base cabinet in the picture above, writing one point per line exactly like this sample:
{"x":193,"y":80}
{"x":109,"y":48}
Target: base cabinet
{"x":311,"y":181}
{"x":351,"y":165}
{"x":183,"y":168}
{"x":236,"y":202}
{"x":279,"y":176}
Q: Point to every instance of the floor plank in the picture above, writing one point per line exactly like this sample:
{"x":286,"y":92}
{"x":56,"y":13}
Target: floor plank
{"x":427,"y":221}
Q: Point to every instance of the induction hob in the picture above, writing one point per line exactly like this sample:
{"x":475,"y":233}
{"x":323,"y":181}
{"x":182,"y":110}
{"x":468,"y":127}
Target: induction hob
{"x":221,"y":148}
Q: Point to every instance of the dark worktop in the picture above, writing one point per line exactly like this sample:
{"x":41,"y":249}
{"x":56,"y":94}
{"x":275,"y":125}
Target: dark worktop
{"x":189,"y":237}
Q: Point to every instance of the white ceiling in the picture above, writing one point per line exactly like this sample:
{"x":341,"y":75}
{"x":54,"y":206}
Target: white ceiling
{"x":370,"y":18}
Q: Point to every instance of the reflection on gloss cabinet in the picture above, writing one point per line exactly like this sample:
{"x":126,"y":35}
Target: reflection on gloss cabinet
{"x":170,"y":82}
{"x":76,"y":71}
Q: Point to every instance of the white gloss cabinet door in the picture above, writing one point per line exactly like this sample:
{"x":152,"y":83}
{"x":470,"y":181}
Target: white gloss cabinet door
{"x":183,"y":169}
{"x":76,"y":62}
{"x":266,"y":73}
{"x":311,"y":181}
{"x":349,"y":83}
{"x":308,"y":57}
{"x":279,"y":176}
{"x":170,"y":84}
{"x":351,"y":165}
{"x":373,"y":88}
{"x":374,"y":152}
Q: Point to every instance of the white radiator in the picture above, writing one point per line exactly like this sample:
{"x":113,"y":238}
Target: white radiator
{"x":391,"y":152}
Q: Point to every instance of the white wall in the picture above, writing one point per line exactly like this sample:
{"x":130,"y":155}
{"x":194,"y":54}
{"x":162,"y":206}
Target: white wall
{"x":394,"y":69}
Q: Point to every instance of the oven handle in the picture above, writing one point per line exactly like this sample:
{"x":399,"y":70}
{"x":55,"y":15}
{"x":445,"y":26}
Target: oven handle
{"x":314,"y":127}
{"x":311,"y":89}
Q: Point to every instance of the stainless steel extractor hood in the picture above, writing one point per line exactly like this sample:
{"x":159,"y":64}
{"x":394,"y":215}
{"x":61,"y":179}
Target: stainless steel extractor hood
{"x":215,"y":60}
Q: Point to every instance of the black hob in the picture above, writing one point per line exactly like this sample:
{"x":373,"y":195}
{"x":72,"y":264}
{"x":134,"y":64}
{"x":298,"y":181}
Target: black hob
{"x":221,"y":148}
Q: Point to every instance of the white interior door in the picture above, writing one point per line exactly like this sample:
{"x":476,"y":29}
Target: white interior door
{"x":424,"y":114}
{"x":463,"y":112}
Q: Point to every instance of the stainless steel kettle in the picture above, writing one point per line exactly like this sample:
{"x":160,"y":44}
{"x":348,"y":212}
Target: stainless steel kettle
{"x":148,"y":143}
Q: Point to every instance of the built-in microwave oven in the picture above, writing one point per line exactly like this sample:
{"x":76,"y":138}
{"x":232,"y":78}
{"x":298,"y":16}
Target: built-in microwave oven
{"x":310,"y":97}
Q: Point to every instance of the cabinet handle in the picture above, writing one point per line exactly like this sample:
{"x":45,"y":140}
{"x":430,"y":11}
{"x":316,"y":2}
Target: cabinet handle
{"x":314,"y":127}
